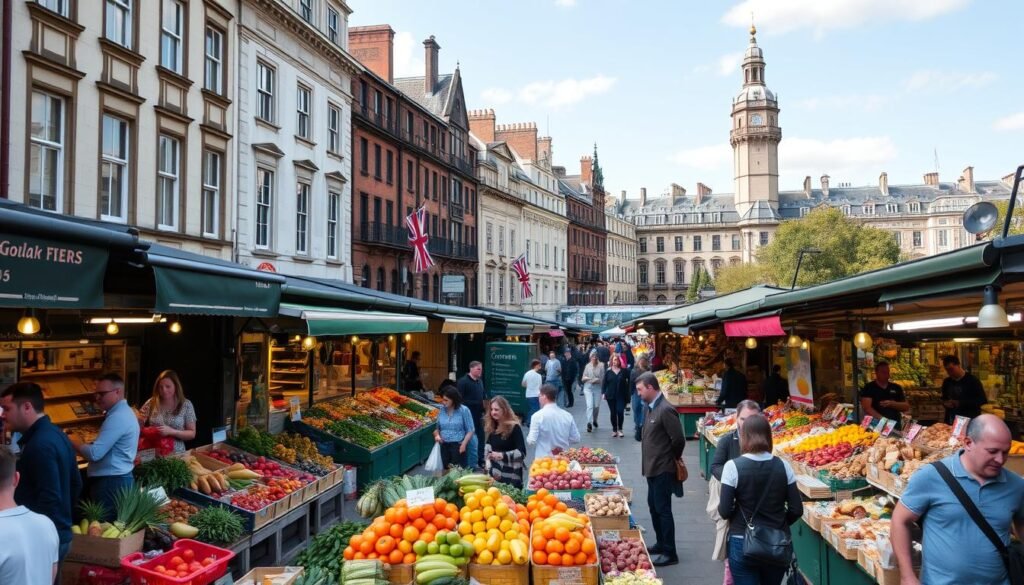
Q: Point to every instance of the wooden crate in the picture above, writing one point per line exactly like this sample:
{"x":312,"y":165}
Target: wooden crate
{"x":401,"y":574}
{"x":847,"y":548}
{"x":600,"y":523}
{"x":312,"y":490}
{"x":624,"y":534}
{"x":872,"y":567}
{"x":500,"y":574}
{"x":575,"y":575}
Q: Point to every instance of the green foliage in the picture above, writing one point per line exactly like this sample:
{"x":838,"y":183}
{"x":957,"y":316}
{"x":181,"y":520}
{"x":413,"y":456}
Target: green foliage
{"x":1016,"y":224}
{"x":740,"y":276}
{"x":700,"y":280}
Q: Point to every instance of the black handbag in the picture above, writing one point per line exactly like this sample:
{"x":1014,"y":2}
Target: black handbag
{"x":766,"y":544}
{"x":1013,"y":555}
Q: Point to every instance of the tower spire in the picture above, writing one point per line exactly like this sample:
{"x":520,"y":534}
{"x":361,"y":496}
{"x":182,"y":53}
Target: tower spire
{"x":598,"y":173}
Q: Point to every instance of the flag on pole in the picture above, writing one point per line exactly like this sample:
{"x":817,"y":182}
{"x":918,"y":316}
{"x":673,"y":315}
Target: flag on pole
{"x":418,"y":237}
{"x":522,"y":269}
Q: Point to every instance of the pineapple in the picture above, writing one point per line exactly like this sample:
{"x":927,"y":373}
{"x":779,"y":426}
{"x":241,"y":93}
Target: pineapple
{"x":92,"y":512}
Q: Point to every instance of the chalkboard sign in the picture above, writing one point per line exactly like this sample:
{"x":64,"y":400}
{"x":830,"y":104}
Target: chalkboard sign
{"x":504,"y":366}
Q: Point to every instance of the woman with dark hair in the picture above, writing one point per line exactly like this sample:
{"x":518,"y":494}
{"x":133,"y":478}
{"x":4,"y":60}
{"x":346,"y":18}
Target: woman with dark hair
{"x":615,"y":389}
{"x":454,"y":428}
{"x":758,"y":489}
{"x":505,"y":450}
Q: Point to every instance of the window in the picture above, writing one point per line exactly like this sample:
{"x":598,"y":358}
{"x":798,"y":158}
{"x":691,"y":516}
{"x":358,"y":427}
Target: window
{"x":735,"y":242}
{"x":264,"y":91}
{"x":171,"y":30}
{"x":490,"y":237}
{"x":389,"y":168}
{"x":364,"y":156}
{"x":409,"y":127}
{"x":409,"y":179}
{"x":511,"y":242}
{"x":118,"y":25}
{"x":302,"y":219}
{"x":333,"y":129}
{"x":167,"y":179}
{"x":382,"y":284}
{"x":265,"y":208}
{"x":716,"y":243}
{"x":892,"y":207}
{"x":306,"y":10}
{"x":697,"y":244}
{"x":501,"y":240}
{"x":643,"y":245}
{"x":943,"y":238}
{"x":846,"y":210}
{"x":376,"y":161}
{"x":680,"y":270}
{"x":659,"y":272}
{"x":114,"y":170}
{"x":211,"y":193}
{"x":527,"y":250}
{"x":660,"y":244}
{"x":915,"y":207}
{"x":642,"y":272}
{"x":917,"y":240}
{"x":804,"y":211}
{"x":303,"y":97}
{"x":46,"y":152}
{"x":426,"y":287}
{"x":58,"y":6}
{"x":512,"y":287}
{"x":898,"y":238}
{"x":213,"y":76}
{"x":490,"y":288}
{"x":679,"y":243}
{"x":332,"y":25}
{"x":764,"y":238}
{"x":501,"y":289}
{"x":869,"y":209}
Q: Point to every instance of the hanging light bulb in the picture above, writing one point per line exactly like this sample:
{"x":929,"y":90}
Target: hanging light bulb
{"x":751,"y":343}
{"x":28,"y":324}
{"x":297,"y":338}
{"x":355,"y":339}
{"x":113,"y":328}
{"x":992,"y":314}
{"x":408,"y":337}
{"x":863,"y":341}
{"x":174,"y":327}
{"x":309,"y":343}
{"x":793,"y":340}
{"x":700,"y":337}
{"x":805,"y":345}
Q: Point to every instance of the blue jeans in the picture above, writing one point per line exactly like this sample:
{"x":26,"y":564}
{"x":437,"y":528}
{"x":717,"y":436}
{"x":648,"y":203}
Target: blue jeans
{"x":745,"y":572}
{"x":532,"y":406}
{"x":560,"y":397}
{"x":103,"y":489}
{"x":638,"y":409}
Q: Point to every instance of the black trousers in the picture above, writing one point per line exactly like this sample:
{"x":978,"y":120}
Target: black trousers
{"x":659,"y":500}
{"x":617,"y":413}
{"x":450,"y":455}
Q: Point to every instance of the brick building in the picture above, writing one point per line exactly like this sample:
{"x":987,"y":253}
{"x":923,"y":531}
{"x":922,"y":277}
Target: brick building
{"x":587,"y":236}
{"x":411,"y":149}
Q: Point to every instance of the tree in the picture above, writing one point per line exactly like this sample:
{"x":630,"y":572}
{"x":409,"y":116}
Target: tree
{"x":1016,"y":224}
{"x":738,"y":277}
{"x":846,"y":246}
{"x":696,"y":285}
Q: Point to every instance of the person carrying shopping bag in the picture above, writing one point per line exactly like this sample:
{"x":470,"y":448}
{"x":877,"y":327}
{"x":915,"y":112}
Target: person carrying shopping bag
{"x":593,"y":377}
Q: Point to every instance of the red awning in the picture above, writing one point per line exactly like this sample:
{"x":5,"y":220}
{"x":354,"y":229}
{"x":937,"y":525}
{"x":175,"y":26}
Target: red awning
{"x":769,"y":326}
{"x":556,"y":333}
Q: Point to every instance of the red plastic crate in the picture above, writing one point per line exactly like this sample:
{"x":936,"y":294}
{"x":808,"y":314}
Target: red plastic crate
{"x":145,"y":573}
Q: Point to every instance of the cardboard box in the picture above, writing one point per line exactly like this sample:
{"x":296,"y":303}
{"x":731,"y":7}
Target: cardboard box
{"x":106,"y":552}
{"x":500,"y":574}
{"x":278,"y":575}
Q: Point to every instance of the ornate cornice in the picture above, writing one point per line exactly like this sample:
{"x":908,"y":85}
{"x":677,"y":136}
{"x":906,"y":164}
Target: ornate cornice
{"x":275,"y":11}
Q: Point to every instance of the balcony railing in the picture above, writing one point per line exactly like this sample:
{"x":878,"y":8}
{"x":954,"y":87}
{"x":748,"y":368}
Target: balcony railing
{"x":660,"y":286}
{"x":378,"y":119}
{"x":452,"y":249}
{"x":679,"y":286}
{"x":375,"y":232}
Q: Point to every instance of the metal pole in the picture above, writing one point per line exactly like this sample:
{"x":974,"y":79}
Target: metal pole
{"x":1013,"y":200}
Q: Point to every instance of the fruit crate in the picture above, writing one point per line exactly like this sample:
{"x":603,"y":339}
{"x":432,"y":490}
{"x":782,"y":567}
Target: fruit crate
{"x":838,"y":485}
{"x":295,"y":499}
{"x":145,"y":573}
{"x":622,"y":535}
{"x":574,"y":575}
{"x":253,"y":520}
{"x":370,"y":464}
{"x":603,"y":523}
{"x":500,"y":574}
{"x":588,"y":467}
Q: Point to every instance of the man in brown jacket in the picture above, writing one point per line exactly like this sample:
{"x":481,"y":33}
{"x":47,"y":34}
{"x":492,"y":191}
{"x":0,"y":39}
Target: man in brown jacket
{"x":661,"y":445}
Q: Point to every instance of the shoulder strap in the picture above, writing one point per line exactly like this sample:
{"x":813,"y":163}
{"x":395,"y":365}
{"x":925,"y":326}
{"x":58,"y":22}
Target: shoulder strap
{"x":771,"y":475}
{"x":971,"y":509}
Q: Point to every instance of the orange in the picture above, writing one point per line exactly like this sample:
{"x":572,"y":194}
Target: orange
{"x":451,"y":510}
{"x":542,"y":493}
{"x":568,"y":560}
{"x":572,"y":546}
{"x":395,"y":531}
{"x":548,"y":531}
{"x":440,"y":505}
{"x":405,"y":546}
{"x":450,"y":523}
{"x":396,"y":556}
{"x":588,"y":546}
{"x":554,"y":558}
{"x":385,"y":545}
{"x":531,"y":505}
{"x":428,"y":513}
{"x":591,"y":559}
{"x":561,"y":507}
{"x":416,"y":512}
{"x":539,"y":542}
{"x":554,"y":546}
{"x":355,"y":541}
{"x":381,"y":529}
{"x":419,"y":524}
{"x":409,"y":559}
{"x":429,"y":528}
{"x":440,"y":522}
{"x":350,"y":553}
{"x":562,"y":534}
{"x":540,"y":557}
{"x":411,"y":533}
{"x":389,"y":515}
{"x":401,"y":516}
{"x":551,"y":500}
{"x":366,"y":547}
{"x":359,"y":556}
{"x":545,"y":511}
{"x":427,"y":537}
{"x":580,"y":558}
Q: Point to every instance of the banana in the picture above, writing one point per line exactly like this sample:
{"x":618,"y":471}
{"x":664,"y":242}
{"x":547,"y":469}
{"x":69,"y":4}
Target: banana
{"x":475,"y":478}
{"x":518,"y":550}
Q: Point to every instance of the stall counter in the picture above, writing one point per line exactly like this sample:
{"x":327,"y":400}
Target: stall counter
{"x":691,"y":413}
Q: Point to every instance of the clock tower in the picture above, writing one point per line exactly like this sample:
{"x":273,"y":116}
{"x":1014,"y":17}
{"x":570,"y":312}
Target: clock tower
{"x":755,"y":137}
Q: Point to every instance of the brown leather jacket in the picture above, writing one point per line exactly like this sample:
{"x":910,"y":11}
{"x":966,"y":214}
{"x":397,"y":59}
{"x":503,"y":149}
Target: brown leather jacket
{"x":663,"y":441}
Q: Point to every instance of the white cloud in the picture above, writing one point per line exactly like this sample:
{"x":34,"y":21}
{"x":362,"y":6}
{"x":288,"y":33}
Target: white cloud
{"x":716,"y":157}
{"x":841,"y":158}
{"x":1010,"y":123}
{"x":565,"y":3}
{"x":408,"y":55}
{"x":782,"y":16}
{"x":947,"y":80}
{"x":552,"y":93}
{"x":729,"y":63}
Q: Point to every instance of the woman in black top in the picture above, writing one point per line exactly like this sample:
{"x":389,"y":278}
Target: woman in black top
{"x":505,"y":451}
{"x":616,"y":391}
{"x":759,"y":488}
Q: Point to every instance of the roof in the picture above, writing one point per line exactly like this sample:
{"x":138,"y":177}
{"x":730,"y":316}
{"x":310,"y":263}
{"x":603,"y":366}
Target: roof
{"x":685,"y":314}
{"x":437,"y":102}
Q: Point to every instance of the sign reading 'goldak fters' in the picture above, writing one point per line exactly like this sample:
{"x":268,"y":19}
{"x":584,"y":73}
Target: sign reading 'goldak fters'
{"x":49,"y":274}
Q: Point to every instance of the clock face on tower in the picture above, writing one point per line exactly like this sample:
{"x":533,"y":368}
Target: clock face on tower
{"x":756,"y":120}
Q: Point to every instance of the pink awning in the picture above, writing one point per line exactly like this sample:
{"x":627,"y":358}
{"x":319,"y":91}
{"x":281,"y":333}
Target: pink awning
{"x":769,"y":326}
{"x":556,"y":333}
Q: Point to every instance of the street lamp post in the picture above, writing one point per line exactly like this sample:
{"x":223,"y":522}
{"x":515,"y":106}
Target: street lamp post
{"x":799,"y":261}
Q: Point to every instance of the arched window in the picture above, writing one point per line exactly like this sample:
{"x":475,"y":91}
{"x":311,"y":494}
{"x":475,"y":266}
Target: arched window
{"x":381,"y":280}
{"x":735,"y":260}
{"x":698,"y":266}
{"x":662,"y":300}
{"x":642,"y":299}
{"x":366,"y":276}
{"x":716,"y":265}
{"x":642,"y":271}
{"x":394,"y":282}
{"x":679,"y":267}
{"x":680,"y":299}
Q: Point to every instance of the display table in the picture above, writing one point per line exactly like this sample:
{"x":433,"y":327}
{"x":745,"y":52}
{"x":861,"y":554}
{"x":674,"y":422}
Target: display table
{"x":707,"y":455}
{"x":689,"y":414}
{"x":820,"y":563}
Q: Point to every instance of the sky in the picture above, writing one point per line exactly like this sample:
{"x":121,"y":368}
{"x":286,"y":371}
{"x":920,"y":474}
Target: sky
{"x":864,"y":86}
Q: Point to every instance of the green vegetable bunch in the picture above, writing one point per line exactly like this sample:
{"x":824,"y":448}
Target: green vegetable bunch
{"x":325,"y":551}
{"x":217,"y":525}
{"x":254,"y":441}
{"x":136,"y":509}
{"x":169,"y":473}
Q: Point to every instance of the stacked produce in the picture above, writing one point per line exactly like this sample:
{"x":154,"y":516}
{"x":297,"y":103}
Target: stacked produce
{"x":391,"y":537}
{"x":386,"y":493}
{"x":207,"y":481}
{"x":825,"y":455}
{"x":177,"y":511}
{"x":442,"y":558}
{"x":554,"y":473}
{"x":853,"y":435}
{"x":370,"y":419}
{"x":364,"y":572}
{"x":497,"y":528}
{"x":253,"y":440}
{"x":543,"y":504}
{"x":169,"y":473}
{"x":258,"y":466}
{"x":301,"y":452}
{"x":936,"y":436}
{"x":606,"y":505}
{"x":322,"y":558}
{"x":627,"y":554}
{"x":184,"y":565}
{"x":134,"y":508}
{"x":604,"y":477}
{"x":852,"y":468}
{"x":586,"y":455}
{"x":851,"y":508}
{"x":217,"y":525}
{"x":644,"y":577}
{"x":866,"y":529}
{"x":563,"y":539}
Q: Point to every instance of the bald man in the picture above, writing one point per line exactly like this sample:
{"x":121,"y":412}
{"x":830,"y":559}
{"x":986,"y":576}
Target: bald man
{"x":999,"y":494}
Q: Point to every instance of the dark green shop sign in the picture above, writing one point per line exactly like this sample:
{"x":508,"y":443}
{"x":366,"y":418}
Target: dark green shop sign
{"x":505,"y":363}
{"x":49,"y":274}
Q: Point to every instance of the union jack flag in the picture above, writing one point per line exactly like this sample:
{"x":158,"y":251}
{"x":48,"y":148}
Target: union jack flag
{"x":522,"y":269}
{"x":418,"y":237}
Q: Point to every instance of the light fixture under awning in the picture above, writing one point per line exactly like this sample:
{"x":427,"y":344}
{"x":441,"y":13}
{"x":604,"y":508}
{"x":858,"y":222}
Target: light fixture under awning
{"x":764,"y":326}
{"x":328,"y":321}
{"x":463,"y":325}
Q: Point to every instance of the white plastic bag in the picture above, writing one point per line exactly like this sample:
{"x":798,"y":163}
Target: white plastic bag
{"x":434,"y":463}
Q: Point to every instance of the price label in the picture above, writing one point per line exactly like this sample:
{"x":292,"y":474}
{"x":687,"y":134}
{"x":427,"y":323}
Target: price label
{"x":889,"y":426}
{"x":147,"y":455}
{"x":853,"y":543}
{"x":294,"y":409}
{"x":220,"y":434}
{"x":610,"y":536}
{"x":880,"y":424}
{"x":897,"y":484}
{"x":865,"y":422}
{"x":913,"y":431}
{"x":159,"y":494}
{"x":420,"y":497}
{"x":873,"y":471}
{"x":570,"y":575}
{"x":960,"y":426}
{"x":564,"y":496}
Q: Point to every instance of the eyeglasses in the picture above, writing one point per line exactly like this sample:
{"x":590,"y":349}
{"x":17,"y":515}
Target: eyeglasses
{"x":100,"y":394}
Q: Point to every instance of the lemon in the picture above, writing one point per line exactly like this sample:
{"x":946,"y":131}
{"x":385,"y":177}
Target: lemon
{"x":479,"y":527}
{"x":465,"y":528}
{"x":485,"y":557}
{"x":504,"y":557}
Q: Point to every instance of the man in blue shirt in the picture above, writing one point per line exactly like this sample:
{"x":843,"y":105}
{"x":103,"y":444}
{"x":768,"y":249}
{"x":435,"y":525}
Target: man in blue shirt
{"x":948,"y":528}
{"x":50,"y":481}
{"x":111,"y":456}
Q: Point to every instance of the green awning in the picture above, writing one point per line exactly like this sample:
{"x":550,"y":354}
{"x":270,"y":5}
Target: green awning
{"x":188,"y":284}
{"x":332,"y":321}
{"x":941,"y":287}
{"x":515,"y":330}
{"x":50,"y":274}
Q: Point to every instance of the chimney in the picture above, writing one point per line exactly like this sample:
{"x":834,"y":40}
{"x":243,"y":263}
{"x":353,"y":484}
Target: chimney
{"x":883,"y":184}
{"x":430,"y":59}
{"x":587,"y":171}
{"x":481,"y":123}
{"x":558,"y":172}
{"x":544,"y":149}
{"x":521,"y":136}
{"x":374,"y":47}
{"x":966,"y":181}
{"x":703,"y":192}
{"x":807,"y":187}
{"x":643,"y":196}
{"x":678,"y":192}
{"x":824,"y":185}
{"x":623,"y":195}
{"x":931,"y":179}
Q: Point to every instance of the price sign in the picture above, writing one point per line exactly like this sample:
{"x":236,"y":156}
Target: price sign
{"x":913,"y":431}
{"x":569,"y":575}
{"x":865,"y":422}
{"x":563,"y":496}
{"x":420,"y":497}
{"x":220,"y":434}
{"x":880,"y":424}
{"x":147,"y":455}
{"x":294,"y":409}
{"x":609,"y":535}
{"x":897,"y":484}
{"x":960,"y":426}
{"x":159,"y":494}
{"x":889,"y":426}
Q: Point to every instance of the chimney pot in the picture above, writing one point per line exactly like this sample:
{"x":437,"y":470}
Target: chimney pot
{"x":373,"y":46}
{"x":431,"y":49}
{"x":883,"y":184}
{"x":967,"y":180}
{"x":807,"y":187}
{"x":824,"y":185}
{"x":643,"y":196}
{"x":931,"y":179}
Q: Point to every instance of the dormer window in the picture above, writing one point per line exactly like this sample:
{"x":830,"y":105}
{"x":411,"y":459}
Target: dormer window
{"x":846,"y":210}
{"x":869,"y":209}
{"x":915,"y":207}
{"x":804,"y":211}
{"x":892,"y":207}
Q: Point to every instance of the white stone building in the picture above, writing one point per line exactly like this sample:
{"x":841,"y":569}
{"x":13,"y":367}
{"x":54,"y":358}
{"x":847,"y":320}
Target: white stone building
{"x":294,"y":137}
{"x":621,"y":256}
